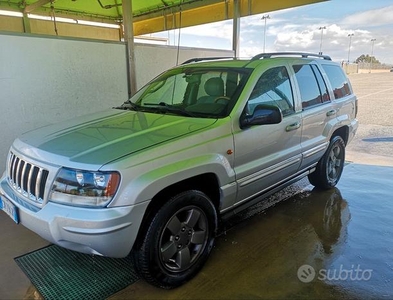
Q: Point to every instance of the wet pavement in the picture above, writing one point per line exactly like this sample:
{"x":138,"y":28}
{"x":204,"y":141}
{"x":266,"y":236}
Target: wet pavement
{"x":333,"y":244}
{"x":315,"y":244}
{"x":300,"y":243}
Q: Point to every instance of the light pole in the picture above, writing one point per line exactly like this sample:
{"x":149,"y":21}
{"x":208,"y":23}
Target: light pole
{"x":320,"y":46}
{"x":372,"y":52}
{"x":350,"y":40}
{"x":265,"y":17}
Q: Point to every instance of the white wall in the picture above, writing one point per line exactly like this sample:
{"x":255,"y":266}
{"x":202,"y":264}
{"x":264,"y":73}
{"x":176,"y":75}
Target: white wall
{"x":152,"y":60}
{"x":45,"y":80}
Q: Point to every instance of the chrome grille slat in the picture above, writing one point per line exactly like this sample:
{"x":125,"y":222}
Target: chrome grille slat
{"x":17,"y":173}
{"x":26,"y":178}
{"x":10,"y":162}
{"x":13,"y":170}
{"x":29,"y":179}
{"x":38,"y":183}
{"x":22,"y":183}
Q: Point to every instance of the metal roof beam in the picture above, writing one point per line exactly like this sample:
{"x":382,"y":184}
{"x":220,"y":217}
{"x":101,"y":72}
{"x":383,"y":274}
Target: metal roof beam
{"x":155,"y":15}
{"x":159,"y":12}
{"x":35,"y":5}
{"x":195,"y":13}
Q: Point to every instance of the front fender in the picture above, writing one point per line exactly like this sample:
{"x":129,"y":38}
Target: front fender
{"x":145,"y":186}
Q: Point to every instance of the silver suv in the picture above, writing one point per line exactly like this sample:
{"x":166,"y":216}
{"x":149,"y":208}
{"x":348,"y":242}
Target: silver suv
{"x":153,"y":177}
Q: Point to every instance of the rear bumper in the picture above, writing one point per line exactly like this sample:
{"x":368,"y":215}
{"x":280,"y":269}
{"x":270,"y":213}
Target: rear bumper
{"x":353,"y":127}
{"x":106,"y":231}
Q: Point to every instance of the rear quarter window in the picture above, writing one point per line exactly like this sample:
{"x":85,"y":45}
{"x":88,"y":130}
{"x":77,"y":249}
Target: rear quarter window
{"x":338,"y":81}
{"x":308,"y":86}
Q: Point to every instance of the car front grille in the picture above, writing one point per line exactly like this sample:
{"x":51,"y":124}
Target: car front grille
{"x":26,"y":178}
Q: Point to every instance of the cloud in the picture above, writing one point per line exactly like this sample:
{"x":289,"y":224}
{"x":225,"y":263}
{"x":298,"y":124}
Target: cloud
{"x":256,"y":20}
{"x":221,"y":29}
{"x":288,"y":37}
{"x":297,"y":29}
{"x":307,"y":38}
{"x":371,"y":18}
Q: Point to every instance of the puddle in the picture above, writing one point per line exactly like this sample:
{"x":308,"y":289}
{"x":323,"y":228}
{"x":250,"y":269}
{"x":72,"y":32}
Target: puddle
{"x":332,"y":244}
{"x":378,"y":139}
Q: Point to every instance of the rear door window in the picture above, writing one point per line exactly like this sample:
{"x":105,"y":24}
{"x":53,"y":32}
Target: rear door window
{"x":308,"y":85}
{"x":321,"y":83}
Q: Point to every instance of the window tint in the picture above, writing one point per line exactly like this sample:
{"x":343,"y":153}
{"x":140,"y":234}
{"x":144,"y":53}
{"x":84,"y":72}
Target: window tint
{"x":308,"y":86}
{"x":273,"y":88}
{"x":321,"y":83}
{"x":338,"y":80}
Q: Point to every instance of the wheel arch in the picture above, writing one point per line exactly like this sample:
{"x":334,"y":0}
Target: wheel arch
{"x":207,"y":183}
{"x":343,"y":132}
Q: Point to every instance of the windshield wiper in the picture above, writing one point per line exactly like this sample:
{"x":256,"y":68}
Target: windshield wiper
{"x":156,"y":104}
{"x":163,"y":107}
{"x":129,"y":105}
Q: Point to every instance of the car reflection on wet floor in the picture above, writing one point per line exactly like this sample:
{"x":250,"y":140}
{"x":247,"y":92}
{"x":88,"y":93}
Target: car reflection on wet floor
{"x":316,"y":244}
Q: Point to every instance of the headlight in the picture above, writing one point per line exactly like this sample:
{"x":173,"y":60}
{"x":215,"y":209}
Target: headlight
{"x":76,"y":187}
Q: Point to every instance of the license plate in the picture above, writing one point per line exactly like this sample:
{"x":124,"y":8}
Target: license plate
{"x":9,"y":209}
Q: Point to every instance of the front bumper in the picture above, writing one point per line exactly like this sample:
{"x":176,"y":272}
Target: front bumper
{"x":105,"y":231}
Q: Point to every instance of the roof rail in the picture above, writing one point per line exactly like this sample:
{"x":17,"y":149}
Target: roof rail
{"x":196,"y":59}
{"x":301,"y":54}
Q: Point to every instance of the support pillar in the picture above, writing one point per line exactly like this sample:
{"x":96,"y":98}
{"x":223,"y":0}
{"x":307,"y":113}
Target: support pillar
{"x":129,"y":40}
{"x":26,"y":23}
{"x":236,"y":27}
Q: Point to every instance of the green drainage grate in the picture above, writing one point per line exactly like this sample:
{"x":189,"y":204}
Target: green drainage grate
{"x":58,"y":273}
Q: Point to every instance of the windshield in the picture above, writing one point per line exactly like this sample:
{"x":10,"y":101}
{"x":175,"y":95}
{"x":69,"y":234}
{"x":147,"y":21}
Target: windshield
{"x":194,"y":92}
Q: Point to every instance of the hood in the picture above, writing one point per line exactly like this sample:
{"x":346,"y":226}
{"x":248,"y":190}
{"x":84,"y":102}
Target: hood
{"x":103,"y":137}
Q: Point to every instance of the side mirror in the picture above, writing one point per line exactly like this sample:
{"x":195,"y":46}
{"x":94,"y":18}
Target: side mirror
{"x":263,"y":114}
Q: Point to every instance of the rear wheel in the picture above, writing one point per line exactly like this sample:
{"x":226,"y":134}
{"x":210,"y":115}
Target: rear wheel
{"x":178,"y":240}
{"x":330,"y":167}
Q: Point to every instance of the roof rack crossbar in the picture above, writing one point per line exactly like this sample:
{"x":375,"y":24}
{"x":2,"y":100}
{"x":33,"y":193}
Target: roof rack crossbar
{"x":301,"y":54}
{"x":196,"y":59}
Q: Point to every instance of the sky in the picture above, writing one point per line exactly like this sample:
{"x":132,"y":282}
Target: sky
{"x":298,"y":29}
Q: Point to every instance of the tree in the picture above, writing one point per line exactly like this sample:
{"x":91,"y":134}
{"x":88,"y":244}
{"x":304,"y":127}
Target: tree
{"x":367,"y":59}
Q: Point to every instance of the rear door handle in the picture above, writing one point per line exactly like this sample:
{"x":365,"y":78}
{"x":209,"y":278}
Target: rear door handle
{"x":331,"y":113}
{"x":293,"y":126}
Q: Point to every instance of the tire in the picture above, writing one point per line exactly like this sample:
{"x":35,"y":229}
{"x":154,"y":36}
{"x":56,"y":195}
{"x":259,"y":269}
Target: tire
{"x":330,"y":166}
{"x":178,"y":240}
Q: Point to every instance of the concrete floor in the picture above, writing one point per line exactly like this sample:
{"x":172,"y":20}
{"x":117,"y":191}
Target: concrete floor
{"x":345,"y":235}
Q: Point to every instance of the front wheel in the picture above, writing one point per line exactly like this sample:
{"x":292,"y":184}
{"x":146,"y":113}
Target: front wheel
{"x":178,"y":240}
{"x":330,"y":166}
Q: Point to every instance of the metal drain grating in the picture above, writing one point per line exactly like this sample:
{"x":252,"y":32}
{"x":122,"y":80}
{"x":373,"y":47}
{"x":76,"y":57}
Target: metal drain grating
{"x":58,"y":273}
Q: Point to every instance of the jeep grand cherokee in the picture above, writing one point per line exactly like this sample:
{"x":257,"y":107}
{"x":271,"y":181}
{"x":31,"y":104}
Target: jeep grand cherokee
{"x":152,"y":177}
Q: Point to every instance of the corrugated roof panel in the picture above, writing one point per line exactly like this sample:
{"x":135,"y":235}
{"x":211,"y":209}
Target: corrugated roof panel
{"x":154,"y":15}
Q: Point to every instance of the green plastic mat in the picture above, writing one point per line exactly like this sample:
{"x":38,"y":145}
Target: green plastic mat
{"x":58,"y":273}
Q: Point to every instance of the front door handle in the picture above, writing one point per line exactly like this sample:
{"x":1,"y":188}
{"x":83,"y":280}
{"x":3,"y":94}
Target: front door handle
{"x":293,"y":126}
{"x":331,"y":113}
